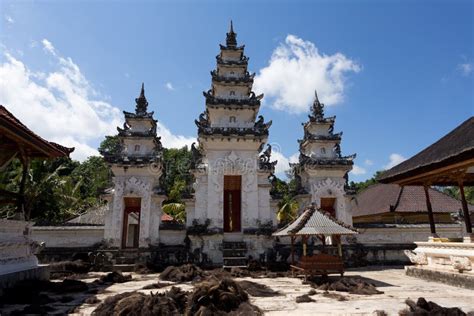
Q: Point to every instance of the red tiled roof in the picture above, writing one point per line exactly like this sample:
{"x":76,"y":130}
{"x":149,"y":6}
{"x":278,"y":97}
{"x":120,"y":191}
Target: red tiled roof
{"x":167,"y":218}
{"x":11,"y":126}
{"x":384,"y":198}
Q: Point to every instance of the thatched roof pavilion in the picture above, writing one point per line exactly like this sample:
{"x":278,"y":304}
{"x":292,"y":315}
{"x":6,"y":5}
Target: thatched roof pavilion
{"x":447,"y":162}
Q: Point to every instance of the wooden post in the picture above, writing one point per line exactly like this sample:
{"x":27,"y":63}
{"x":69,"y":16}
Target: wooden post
{"x":21,"y":194}
{"x":430,"y":211}
{"x":292,"y":250}
{"x":467,"y":218}
{"x":323,"y":240}
{"x":304,"y":239}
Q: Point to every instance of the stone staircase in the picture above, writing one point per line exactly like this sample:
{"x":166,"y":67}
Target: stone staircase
{"x":234,"y":254}
{"x":125,"y":260}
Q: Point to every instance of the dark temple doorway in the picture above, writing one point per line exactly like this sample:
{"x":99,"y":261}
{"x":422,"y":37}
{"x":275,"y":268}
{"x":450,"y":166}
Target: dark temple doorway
{"x":131,"y":222}
{"x":232,"y":203}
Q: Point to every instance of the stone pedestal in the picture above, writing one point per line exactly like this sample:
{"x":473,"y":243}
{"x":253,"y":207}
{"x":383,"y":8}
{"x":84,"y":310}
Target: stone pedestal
{"x":17,"y":253}
{"x":439,"y":260}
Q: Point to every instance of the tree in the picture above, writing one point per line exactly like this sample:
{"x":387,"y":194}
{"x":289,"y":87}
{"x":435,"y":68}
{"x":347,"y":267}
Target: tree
{"x":111,"y":145}
{"x":453,"y":191}
{"x":360,"y":186}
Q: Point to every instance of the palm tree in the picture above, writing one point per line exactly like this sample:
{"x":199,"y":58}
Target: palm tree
{"x":175,"y":210}
{"x":288,"y":210}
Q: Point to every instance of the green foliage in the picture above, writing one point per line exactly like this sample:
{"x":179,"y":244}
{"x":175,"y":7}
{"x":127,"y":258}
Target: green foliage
{"x":177,"y":163}
{"x":455,"y":193}
{"x":288,"y":211}
{"x":176,"y":210}
{"x":110,"y":145}
{"x":56,"y":190}
{"x":360,"y":186}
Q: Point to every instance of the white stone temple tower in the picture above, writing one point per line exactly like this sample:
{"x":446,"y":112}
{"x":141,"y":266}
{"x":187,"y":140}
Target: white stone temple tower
{"x":322,"y":171}
{"x":134,"y":214}
{"x":232,"y":189}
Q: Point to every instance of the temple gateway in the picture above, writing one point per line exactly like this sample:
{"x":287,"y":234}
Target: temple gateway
{"x":230,"y":213}
{"x":322,"y":171}
{"x":232,"y":188}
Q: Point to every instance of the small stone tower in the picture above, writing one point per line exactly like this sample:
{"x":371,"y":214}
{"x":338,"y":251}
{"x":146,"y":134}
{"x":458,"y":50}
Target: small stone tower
{"x":134,"y":214}
{"x":322,"y":172}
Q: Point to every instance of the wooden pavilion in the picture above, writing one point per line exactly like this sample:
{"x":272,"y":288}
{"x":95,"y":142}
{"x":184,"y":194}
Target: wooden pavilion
{"x":447,"y":162}
{"x":314,"y":222}
{"x":18,"y":141}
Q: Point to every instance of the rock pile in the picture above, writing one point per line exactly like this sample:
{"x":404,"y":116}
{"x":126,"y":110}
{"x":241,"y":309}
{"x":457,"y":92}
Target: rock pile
{"x":424,"y":307}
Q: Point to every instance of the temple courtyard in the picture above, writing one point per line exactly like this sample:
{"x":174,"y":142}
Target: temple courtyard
{"x":395,"y":285}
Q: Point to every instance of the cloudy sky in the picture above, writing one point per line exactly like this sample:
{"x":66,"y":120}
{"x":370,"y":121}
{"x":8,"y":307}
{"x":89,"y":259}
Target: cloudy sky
{"x":398,"y":75}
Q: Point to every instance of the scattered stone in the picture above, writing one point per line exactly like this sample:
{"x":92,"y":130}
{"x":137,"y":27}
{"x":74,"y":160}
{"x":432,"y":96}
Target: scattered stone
{"x":335,"y":296}
{"x":379,"y":313}
{"x":257,"y":289}
{"x":114,"y":277}
{"x":424,"y":307}
{"x":157,"y":285}
{"x":312,"y":292}
{"x":217,"y":297}
{"x":141,"y":268}
{"x":172,"y":302}
{"x":304,"y":299}
{"x":350,"y":285}
{"x":66,"y":299}
{"x":65,"y":268}
{"x":92,"y":300}
{"x":184,"y":273}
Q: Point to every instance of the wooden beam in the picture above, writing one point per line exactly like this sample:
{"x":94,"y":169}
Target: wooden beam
{"x":430,"y":210}
{"x":467,"y":218}
{"x":292,"y":250}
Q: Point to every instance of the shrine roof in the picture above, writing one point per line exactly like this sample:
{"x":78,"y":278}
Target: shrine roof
{"x":315,"y":222}
{"x":15,"y":131}
{"x":383,"y":198}
{"x":454,"y":148}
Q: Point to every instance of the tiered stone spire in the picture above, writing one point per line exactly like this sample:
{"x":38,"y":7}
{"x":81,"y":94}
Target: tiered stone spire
{"x":231,"y":105}
{"x":141,"y":101}
{"x":139,"y":143}
{"x":320,"y":147}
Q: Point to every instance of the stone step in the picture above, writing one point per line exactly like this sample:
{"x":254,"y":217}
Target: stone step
{"x":234,"y":245}
{"x":125,"y":260}
{"x":234,"y":253}
{"x":123,"y":267}
{"x":235,"y":262}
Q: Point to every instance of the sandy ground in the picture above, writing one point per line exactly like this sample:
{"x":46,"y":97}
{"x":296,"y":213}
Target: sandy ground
{"x":393,"y":282}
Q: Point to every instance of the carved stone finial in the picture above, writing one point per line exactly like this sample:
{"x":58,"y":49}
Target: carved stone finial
{"x":317,"y":108}
{"x":231,"y":39}
{"x":141,"y":102}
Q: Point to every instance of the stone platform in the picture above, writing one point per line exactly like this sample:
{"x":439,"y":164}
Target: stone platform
{"x":447,"y":277}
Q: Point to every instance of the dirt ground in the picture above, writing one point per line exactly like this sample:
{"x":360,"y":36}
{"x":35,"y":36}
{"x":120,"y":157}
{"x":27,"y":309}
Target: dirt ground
{"x":397,"y":287}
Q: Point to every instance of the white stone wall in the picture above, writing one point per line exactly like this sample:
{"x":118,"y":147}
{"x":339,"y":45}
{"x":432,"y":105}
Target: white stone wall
{"x":150,"y":211}
{"x":172,"y":237}
{"x":68,"y":236}
{"x":209,"y":192}
{"x":330,"y":187}
{"x":405,"y":234}
{"x":17,"y":249}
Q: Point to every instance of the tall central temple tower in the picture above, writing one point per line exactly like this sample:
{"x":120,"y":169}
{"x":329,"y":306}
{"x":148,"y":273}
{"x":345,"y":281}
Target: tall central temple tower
{"x":232,"y":190}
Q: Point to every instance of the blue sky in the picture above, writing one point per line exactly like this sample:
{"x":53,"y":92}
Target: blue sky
{"x":397,"y":74}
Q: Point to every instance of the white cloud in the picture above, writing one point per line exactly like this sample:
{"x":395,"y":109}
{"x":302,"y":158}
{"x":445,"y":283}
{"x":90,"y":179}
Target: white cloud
{"x":62,"y":106}
{"x":368,"y":162}
{"x":9,"y":19}
{"x":283,"y":163}
{"x":357,"y":170}
{"x":395,"y":159}
{"x":466,"y":68}
{"x":48,"y":46}
{"x":169,"y":86}
{"x":296,"y":69}
{"x":170,"y":140}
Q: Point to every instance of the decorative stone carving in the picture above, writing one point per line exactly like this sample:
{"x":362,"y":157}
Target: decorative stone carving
{"x":416,"y":258}
{"x":461,"y":263}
